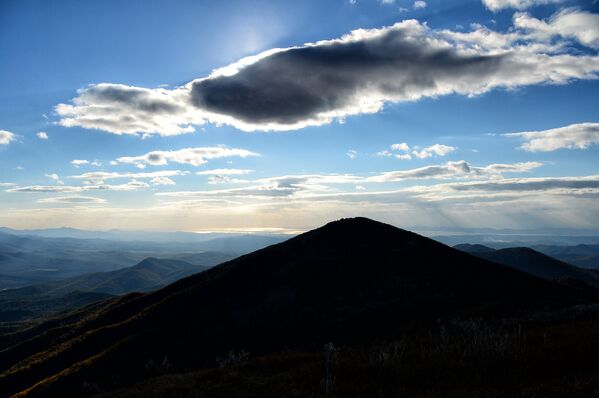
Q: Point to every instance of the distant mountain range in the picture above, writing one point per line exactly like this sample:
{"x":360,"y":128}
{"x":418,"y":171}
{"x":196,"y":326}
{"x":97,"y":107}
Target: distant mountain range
{"x":586,"y":256}
{"x":41,"y":300}
{"x":501,"y":241}
{"x":28,"y":259}
{"x":128,"y":236}
{"x":350,"y":281}
{"x":532,"y":262}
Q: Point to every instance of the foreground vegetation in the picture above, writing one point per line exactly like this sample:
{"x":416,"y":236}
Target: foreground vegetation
{"x":551,"y":355}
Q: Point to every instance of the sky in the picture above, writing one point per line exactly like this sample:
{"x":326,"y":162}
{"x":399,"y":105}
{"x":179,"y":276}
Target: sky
{"x":280,"y":116}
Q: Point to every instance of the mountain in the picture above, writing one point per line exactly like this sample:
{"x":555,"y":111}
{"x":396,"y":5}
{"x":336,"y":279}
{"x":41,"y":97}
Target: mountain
{"x":583,"y":255}
{"x":475,"y":248}
{"x":511,"y":239}
{"x":28,"y":303}
{"x":27,"y":260}
{"x":533,"y":262}
{"x":127,"y":236}
{"x":351,"y":281}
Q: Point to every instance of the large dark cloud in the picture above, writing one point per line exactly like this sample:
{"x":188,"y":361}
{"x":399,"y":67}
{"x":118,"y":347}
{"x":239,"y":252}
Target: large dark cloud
{"x":314,"y":84}
{"x":290,"y":86}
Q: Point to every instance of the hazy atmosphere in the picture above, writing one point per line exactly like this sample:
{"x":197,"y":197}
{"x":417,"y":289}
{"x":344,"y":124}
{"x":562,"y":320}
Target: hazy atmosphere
{"x":279,"y":116}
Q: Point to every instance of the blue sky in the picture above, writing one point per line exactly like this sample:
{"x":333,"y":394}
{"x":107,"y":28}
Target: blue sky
{"x":128,"y":91}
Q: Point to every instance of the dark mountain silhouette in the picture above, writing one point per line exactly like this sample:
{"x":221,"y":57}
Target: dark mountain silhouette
{"x":47,"y":298}
{"x":533,"y":262}
{"x":352,"y":280}
{"x":475,"y":248}
{"x":23,"y":306}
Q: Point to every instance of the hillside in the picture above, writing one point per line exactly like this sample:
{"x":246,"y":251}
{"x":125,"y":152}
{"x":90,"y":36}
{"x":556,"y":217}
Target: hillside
{"x":583,"y":255}
{"x":533,"y":262}
{"x":28,"y":303}
{"x":350,"y":281}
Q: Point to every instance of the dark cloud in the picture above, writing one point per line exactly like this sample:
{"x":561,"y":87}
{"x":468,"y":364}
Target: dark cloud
{"x":317,"y":83}
{"x":290,"y":86}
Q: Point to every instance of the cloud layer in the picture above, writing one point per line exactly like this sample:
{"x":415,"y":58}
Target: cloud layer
{"x":316,"y":83}
{"x":496,"y":5}
{"x":192,"y":156}
{"x":574,"y":136}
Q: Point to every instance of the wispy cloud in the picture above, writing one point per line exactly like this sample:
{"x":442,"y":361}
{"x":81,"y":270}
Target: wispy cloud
{"x":574,"y":136}
{"x":42,"y":135}
{"x":459,"y":169}
{"x":496,"y":5}
{"x":72,"y":200}
{"x":298,"y":186}
{"x":224,"y":172}
{"x":55,"y":177}
{"x":103,"y":175}
{"x":192,"y":156}
{"x":129,"y":186}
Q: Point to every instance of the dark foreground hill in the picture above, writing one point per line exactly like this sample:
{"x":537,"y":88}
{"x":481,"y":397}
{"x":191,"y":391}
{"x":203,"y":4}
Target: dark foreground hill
{"x":352,"y":281}
{"x":28,"y":303}
{"x":533,"y":262}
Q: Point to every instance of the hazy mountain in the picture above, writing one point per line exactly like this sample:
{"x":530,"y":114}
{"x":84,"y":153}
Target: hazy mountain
{"x":476,"y":248}
{"x":27,"y":260}
{"x":125,"y":236}
{"x":501,"y":241}
{"x":51,"y":297}
{"x":533,"y":262}
{"x":586,"y":256}
{"x":349,"y":281}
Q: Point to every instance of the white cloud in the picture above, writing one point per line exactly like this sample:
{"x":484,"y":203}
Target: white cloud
{"x":309,"y":185}
{"x":459,"y":169}
{"x":6,"y":137}
{"x":42,"y":135}
{"x":419,"y":4}
{"x":129,"y":186}
{"x":400,"y":147}
{"x":569,"y":23}
{"x":436,"y":149}
{"x":262,"y":92}
{"x":162,"y":181}
{"x":352,"y":154}
{"x":79,"y":162}
{"x":121,"y":109}
{"x":225,"y":172}
{"x":103,"y":175}
{"x":496,"y":5}
{"x":55,"y":177}
{"x":81,"y":200}
{"x":574,"y":136}
{"x":193,"y":156}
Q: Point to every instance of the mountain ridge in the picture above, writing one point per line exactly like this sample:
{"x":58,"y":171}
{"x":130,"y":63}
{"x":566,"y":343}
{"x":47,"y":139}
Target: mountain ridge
{"x":350,"y":280}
